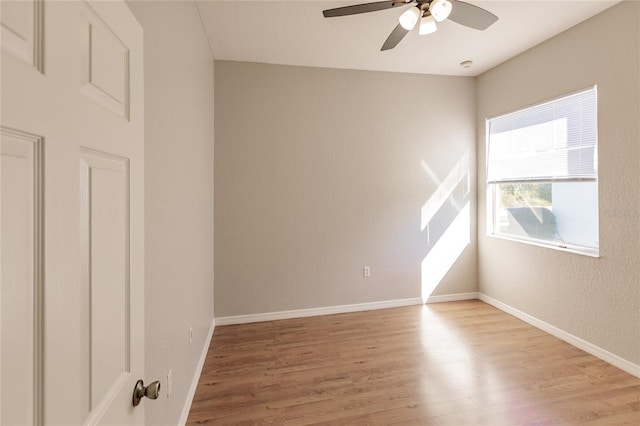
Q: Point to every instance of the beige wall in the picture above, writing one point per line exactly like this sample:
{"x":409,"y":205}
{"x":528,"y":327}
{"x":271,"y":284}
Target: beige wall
{"x":597,"y":300}
{"x":319,"y":172}
{"x":179,"y":198}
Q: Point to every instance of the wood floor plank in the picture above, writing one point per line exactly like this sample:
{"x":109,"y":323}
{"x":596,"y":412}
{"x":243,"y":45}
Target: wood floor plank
{"x":443,"y":364}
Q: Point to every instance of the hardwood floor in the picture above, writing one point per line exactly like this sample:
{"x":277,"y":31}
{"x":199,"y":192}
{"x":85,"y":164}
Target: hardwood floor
{"x":460,"y":363}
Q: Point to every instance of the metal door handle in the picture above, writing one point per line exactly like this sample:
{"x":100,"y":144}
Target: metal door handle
{"x":140,"y":390}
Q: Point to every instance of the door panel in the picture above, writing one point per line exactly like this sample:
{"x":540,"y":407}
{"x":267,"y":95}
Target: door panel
{"x":20,"y":265}
{"x":105,"y":63}
{"x":22,"y":30}
{"x":105,"y":265}
{"x":87,"y":106}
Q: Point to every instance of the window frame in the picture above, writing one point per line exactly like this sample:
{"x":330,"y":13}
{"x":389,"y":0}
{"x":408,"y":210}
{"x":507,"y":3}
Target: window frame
{"x":492,"y":189}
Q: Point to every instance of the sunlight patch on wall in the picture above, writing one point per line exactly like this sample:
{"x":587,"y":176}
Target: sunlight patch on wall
{"x":444,"y":189}
{"x":446,"y":251}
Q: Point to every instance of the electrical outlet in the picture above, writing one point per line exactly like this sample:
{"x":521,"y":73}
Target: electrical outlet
{"x":190,"y":335}
{"x":366,"y":271}
{"x":169,"y":383}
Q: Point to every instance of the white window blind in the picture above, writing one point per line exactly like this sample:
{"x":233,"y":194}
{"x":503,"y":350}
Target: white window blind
{"x":553,"y":141}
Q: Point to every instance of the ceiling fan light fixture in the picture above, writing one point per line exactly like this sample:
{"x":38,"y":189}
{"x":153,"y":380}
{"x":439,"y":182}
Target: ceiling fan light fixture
{"x":440,"y":9}
{"x":409,"y":18}
{"x":427,"y":25}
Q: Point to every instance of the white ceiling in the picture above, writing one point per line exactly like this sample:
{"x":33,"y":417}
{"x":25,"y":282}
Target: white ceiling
{"x":294,"y":32}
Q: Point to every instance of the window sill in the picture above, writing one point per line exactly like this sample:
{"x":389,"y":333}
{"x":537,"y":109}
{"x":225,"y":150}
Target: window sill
{"x":595,"y":253}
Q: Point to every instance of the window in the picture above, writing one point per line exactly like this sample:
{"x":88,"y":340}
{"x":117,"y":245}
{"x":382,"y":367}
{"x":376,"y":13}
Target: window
{"x":542,"y":171}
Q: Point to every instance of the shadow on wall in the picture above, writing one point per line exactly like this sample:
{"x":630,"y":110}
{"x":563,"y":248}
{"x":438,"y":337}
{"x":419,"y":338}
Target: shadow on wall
{"x":446,"y":223}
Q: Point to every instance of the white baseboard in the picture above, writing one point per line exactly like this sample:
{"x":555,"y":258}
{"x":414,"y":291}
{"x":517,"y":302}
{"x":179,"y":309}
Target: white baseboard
{"x":196,"y":375}
{"x":456,"y":297}
{"x":312,"y":312}
{"x":594,"y":350}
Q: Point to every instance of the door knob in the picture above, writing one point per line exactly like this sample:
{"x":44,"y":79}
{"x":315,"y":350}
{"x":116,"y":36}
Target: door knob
{"x":140,"y":390}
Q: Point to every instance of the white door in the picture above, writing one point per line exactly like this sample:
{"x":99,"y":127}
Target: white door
{"x":72,"y":213}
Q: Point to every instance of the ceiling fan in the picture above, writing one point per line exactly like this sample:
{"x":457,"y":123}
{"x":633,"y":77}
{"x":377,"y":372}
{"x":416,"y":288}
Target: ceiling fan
{"x":428,"y":12}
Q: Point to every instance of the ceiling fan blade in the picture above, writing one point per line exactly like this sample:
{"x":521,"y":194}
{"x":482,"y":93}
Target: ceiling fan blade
{"x":394,"y":38}
{"x":471,"y":16}
{"x":363,"y":8}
